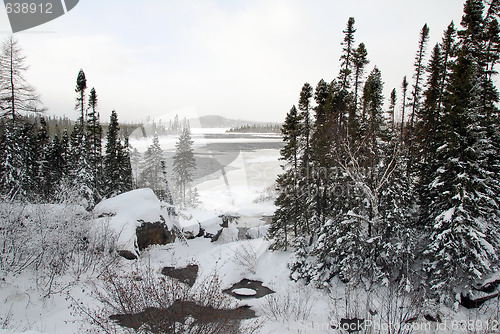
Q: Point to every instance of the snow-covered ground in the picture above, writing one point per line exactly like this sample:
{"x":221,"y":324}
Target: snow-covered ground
{"x":293,"y":308}
{"x":248,"y":176}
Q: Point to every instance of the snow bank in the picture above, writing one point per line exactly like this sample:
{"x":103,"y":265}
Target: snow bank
{"x":124,"y":213}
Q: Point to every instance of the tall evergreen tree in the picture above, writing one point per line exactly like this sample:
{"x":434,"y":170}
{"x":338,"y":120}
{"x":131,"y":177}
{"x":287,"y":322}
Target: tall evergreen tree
{"x":184,"y":162}
{"x":347,"y":53}
{"x":448,"y":53}
{"x":93,"y":144}
{"x":360,"y":60}
{"x":427,"y":118}
{"x":461,"y":219}
{"x":166,"y":194}
{"x":42,"y":153}
{"x":135,"y":160}
{"x":419,"y":70}
{"x":151,"y":174}
{"x":320,"y":155}
{"x":404,"y":86}
{"x":286,"y":217}
{"x":81,"y":86}
{"x":392,"y":108}
{"x":77,"y":139}
{"x":56,"y":164}
{"x":125,"y":181}
{"x":111,"y":160}
{"x":305,"y":165}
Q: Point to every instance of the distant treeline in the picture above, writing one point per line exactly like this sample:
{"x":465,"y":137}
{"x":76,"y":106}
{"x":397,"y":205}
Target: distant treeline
{"x":57,"y":125}
{"x":257,"y":128}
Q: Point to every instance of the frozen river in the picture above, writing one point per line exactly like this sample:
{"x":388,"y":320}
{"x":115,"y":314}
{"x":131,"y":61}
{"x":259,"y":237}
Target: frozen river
{"x":233,"y":170}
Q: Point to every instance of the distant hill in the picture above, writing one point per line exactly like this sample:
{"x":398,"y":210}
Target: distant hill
{"x":213,"y":121}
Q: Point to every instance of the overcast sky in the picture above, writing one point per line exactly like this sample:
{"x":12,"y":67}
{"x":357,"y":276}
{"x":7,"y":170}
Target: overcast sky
{"x":235,"y":58}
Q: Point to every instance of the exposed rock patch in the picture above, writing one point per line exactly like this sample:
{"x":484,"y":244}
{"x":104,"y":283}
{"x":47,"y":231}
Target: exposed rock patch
{"x":485,"y":291}
{"x":178,"y":312}
{"x":127,"y":255}
{"x":156,"y":233}
{"x":186,"y":275}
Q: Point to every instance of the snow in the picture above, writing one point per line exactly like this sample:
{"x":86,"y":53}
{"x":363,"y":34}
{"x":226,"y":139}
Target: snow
{"x":231,"y":259}
{"x":445,"y":216}
{"x":244,"y":292}
{"x":257,"y":232}
{"x":124,"y":213}
{"x":247,"y":177}
{"x":202,"y":138}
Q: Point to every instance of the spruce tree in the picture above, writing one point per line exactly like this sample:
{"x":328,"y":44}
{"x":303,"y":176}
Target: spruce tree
{"x":42,"y":151}
{"x":360,"y":60}
{"x":135,"y":160}
{"x":392,"y":109}
{"x":19,"y":161}
{"x":320,"y":155}
{"x":81,"y":86}
{"x":448,"y":53}
{"x":151,"y":174}
{"x":286,"y":217}
{"x":56,"y":163}
{"x":305,"y":164}
{"x":372,"y":136}
{"x":77,"y":138}
{"x":419,"y":70}
{"x":111,"y":160}
{"x":461,"y":219}
{"x":166,"y":194}
{"x":184,"y":162}
{"x":404,"y":86}
{"x":93,"y":144}
{"x":347,"y":54}
{"x":427,"y":117}
{"x":125,"y":181}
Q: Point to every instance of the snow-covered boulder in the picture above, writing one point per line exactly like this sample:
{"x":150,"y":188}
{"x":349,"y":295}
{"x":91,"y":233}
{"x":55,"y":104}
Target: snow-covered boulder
{"x":138,"y":219}
{"x":221,"y":228}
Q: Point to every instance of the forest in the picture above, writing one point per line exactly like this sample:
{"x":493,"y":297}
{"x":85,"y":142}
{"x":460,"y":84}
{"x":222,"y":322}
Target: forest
{"x":385,"y":209}
{"x":411,"y":202}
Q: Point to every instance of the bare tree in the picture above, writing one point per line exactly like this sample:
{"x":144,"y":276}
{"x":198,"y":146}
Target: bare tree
{"x":16,"y":95}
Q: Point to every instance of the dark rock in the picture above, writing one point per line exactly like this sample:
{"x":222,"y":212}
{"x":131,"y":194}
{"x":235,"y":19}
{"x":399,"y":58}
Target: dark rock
{"x":470,"y":303}
{"x":127,"y":254}
{"x":431,"y":318}
{"x":156,"y":233}
{"x":489,"y":287}
{"x":228,"y":218}
{"x":411,"y":320}
{"x":211,"y":236}
{"x":166,"y":318}
{"x":106,"y":214}
{"x":186,"y":275}
{"x":260,"y":290}
{"x":217,"y":236}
